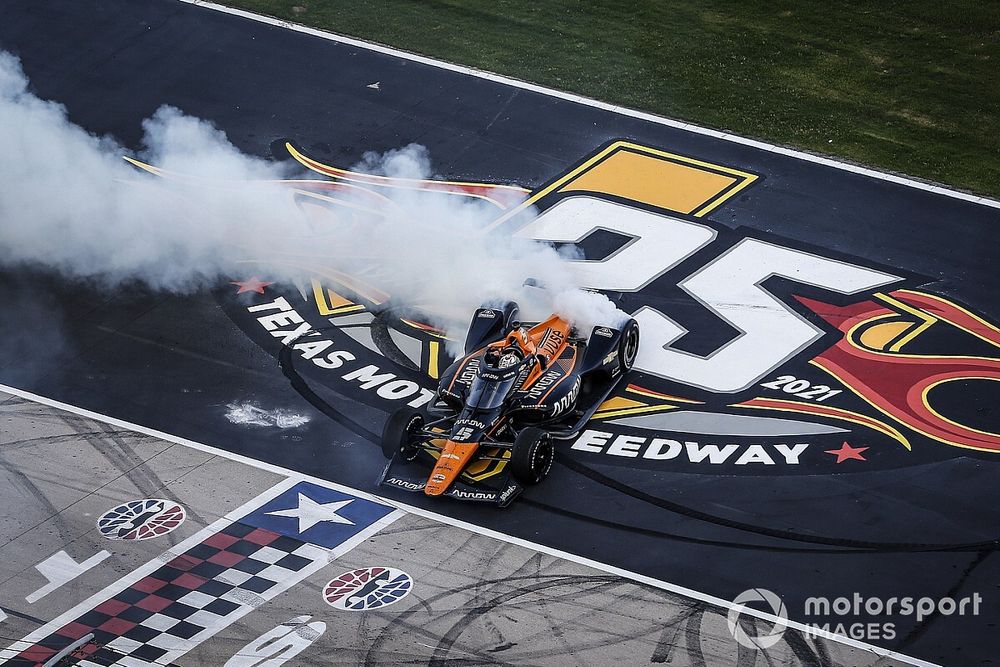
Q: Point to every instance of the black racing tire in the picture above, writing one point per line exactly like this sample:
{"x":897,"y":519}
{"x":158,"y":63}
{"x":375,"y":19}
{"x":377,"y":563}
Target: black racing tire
{"x":511,"y":313}
{"x":532,"y":456}
{"x":628,"y":346}
{"x":397,"y":435}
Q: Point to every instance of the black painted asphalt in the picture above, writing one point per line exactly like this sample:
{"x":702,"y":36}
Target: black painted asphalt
{"x":173,"y":363}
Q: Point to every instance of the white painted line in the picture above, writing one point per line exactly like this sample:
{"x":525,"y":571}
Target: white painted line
{"x":597,"y":104}
{"x":54,"y":660}
{"x":59,"y":569}
{"x":295,"y":477}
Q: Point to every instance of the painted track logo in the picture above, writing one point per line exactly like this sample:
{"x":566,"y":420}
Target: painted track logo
{"x":367,"y":588}
{"x":775,"y":606}
{"x":761,"y":355}
{"x":141,"y":519}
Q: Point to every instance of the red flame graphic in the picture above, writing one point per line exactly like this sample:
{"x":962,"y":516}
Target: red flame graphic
{"x":898,"y":383}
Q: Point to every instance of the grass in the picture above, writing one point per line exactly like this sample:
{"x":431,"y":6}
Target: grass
{"x":910,"y":86}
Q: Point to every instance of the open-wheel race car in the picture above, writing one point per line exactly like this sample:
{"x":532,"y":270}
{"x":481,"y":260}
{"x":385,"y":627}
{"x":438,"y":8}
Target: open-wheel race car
{"x":491,"y":428}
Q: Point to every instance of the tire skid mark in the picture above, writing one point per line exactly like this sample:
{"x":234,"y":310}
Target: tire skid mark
{"x":137,"y":470}
{"x":152,"y":479}
{"x":866,"y":545}
{"x":485,"y":606}
{"x":403,"y":620}
{"x":300,"y":385}
{"x":52,"y":440}
{"x":667,"y":644}
{"x":692,"y":638}
{"x":619,"y":526}
{"x":920,"y":628}
{"x":807,"y":654}
{"x":600,"y":634}
{"x":66,"y":535}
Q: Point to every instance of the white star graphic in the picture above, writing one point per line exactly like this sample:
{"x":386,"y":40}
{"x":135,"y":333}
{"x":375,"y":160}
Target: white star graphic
{"x":309,"y":512}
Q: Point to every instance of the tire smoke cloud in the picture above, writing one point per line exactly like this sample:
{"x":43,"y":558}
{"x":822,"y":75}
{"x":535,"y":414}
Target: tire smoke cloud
{"x":70,"y":203}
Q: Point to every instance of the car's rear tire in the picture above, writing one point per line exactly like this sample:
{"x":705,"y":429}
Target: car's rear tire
{"x":511,"y":313}
{"x":480,"y":335}
{"x":628,"y":346}
{"x":397,"y":435}
{"x":532,"y":456}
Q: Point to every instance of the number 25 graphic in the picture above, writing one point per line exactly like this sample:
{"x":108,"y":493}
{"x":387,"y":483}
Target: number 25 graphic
{"x":729,"y":286}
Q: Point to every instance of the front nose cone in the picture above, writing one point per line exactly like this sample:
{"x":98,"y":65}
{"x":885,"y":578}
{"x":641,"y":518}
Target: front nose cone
{"x":449,"y":466}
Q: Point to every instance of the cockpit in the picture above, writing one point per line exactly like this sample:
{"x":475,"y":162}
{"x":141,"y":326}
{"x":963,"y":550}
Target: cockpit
{"x":497,"y":375}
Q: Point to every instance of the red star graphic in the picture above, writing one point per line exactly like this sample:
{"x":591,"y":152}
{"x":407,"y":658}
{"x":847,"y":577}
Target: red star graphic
{"x":255,"y":284}
{"x":847,"y":452}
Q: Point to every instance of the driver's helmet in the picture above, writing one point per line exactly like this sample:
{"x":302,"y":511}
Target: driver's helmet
{"x":510,"y":356}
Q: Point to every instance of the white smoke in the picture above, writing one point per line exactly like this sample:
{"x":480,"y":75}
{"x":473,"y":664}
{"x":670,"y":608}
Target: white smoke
{"x":69,"y":202}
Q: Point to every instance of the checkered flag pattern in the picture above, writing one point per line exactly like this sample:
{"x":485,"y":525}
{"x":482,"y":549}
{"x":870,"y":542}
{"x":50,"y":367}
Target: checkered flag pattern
{"x":187,"y":600}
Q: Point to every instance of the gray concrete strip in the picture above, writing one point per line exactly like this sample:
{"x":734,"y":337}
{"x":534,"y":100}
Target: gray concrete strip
{"x":690,"y":421}
{"x":478,"y":601}
{"x":61,"y":472}
{"x":474,"y":600}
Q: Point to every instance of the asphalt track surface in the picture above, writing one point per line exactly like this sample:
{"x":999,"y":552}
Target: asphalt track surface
{"x":174,"y":363}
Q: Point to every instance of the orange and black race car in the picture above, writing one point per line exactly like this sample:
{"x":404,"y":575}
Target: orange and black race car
{"x":490,"y":430}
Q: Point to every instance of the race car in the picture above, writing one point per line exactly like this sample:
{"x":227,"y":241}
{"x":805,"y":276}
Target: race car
{"x":491,"y":427}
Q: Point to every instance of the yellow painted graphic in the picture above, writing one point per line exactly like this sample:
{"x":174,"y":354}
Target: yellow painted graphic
{"x":652,"y":179}
{"x":648,"y":176}
{"x":329,"y":302}
{"x":433,"y":350}
{"x":620,"y":406}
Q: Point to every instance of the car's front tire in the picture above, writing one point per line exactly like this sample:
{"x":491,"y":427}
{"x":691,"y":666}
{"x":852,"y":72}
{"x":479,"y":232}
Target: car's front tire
{"x":532,"y":456}
{"x":398,"y":434}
